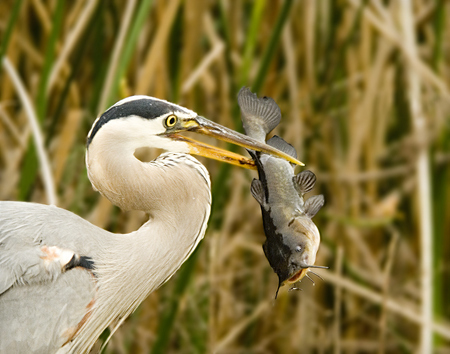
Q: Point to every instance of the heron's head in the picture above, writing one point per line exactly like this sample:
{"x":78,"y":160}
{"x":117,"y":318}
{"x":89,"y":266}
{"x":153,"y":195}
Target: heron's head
{"x":140,"y":121}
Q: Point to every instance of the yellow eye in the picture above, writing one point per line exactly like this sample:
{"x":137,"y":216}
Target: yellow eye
{"x":171,"y":121}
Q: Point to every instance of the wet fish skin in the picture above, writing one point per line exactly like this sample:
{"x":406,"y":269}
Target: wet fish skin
{"x":292,"y":238}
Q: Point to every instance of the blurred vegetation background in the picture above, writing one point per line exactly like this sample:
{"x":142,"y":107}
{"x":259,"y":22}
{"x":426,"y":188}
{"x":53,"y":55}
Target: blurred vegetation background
{"x":364,"y":91}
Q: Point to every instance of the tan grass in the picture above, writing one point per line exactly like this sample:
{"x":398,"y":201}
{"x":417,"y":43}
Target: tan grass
{"x":364,"y":98}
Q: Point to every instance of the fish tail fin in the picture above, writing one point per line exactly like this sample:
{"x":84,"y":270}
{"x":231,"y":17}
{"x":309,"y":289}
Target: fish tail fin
{"x":304,"y":182}
{"x":259,"y":115}
{"x":282,"y":145}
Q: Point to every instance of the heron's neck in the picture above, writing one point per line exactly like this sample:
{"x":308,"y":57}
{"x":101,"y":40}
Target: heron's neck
{"x":175,"y":190}
{"x":165,"y":188}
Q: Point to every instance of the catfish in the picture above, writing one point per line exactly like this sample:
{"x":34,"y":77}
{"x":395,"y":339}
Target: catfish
{"x":292,"y":238}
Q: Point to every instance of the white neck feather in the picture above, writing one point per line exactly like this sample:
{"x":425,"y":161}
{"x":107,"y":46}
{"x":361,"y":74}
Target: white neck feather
{"x":175,"y":191}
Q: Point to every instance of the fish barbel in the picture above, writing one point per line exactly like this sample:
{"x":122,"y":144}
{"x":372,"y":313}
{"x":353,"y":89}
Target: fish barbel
{"x":292,"y":238}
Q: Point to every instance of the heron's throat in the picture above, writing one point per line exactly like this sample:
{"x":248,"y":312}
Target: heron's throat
{"x":167,"y":187}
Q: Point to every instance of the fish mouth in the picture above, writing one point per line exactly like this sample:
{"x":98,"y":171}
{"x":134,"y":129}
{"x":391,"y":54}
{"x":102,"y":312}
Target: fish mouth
{"x":301,"y":273}
{"x":297,"y":276}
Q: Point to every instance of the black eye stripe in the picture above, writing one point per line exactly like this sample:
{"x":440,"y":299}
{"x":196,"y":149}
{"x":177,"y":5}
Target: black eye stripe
{"x":146,"y":108}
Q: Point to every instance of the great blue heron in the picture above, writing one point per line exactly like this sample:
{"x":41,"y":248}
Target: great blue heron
{"x":64,"y":280}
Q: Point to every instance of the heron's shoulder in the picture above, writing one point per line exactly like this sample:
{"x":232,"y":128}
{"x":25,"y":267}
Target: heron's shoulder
{"x":24,"y":224}
{"x":40,"y":242}
{"x":27,"y":214}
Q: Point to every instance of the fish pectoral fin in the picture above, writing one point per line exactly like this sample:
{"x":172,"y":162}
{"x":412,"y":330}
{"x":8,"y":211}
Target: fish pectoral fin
{"x":280,"y":144}
{"x":313,"y":205}
{"x":259,"y":115}
{"x":258,"y":193}
{"x":304,"y":182}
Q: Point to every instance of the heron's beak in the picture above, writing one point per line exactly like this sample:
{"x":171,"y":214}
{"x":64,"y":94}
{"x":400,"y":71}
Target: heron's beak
{"x":204,"y":126}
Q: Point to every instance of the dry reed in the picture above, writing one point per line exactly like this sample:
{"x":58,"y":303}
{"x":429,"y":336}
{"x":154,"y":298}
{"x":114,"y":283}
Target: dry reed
{"x":363,"y":87}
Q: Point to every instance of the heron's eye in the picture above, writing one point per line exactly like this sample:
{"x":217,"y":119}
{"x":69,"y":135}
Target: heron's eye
{"x":298,"y":249}
{"x":171,"y":121}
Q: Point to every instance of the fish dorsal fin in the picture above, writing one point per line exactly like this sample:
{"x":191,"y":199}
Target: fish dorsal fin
{"x":313,"y":205}
{"x":259,"y":115}
{"x":282,"y":145}
{"x":258,"y":193}
{"x":304,"y":182}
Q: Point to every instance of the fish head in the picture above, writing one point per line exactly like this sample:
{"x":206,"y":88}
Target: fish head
{"x":292,"y":251}
{"x":303,"y":238}
{"x":278,"y":253}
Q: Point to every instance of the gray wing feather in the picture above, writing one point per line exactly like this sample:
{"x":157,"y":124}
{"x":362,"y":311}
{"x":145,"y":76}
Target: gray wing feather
{"x":26,"y":227}
{"x":38,"y":318}
{"x":34,"y":299}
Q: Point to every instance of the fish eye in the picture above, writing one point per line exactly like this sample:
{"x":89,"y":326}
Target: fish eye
{"x":171,"y":121}
{"x":298,"y":248}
